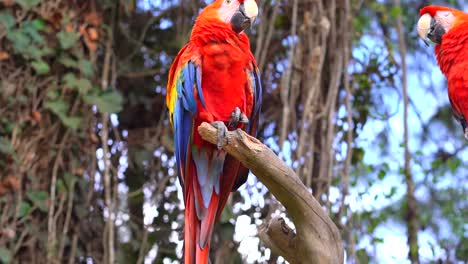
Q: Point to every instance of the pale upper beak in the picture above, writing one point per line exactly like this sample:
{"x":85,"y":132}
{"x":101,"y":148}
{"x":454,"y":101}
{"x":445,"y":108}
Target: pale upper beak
{"x":424,"y":25}
{"x":251,"y":9}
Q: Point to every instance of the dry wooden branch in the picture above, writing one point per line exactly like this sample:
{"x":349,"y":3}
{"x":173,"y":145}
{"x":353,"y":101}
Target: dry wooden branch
{"x":317,"y":239}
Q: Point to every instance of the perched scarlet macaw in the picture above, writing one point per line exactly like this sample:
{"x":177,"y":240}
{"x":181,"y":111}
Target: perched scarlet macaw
{"x":214,"y":79}
{"x":448,"y":28}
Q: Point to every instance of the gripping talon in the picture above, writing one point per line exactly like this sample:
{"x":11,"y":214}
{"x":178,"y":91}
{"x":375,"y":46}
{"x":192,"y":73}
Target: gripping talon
{"x":222,"y":133}
{"x":244,"y":119}
{"x":237,"y":117}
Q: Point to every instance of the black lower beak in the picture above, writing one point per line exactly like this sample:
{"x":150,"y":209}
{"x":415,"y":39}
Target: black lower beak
{"x":436,"y":32}
{"x":240,"y":21}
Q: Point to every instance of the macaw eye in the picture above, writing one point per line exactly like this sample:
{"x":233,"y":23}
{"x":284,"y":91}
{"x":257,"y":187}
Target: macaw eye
{"x":228,"y":1}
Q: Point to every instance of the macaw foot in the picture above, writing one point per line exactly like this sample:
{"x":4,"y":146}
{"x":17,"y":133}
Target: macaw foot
{"x":222,"y":133}
{"x":237,"y":117}
{"x":466,"y":133}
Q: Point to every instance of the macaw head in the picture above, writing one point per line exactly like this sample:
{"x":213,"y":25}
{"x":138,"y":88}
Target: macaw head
{"x":240,"y":14}
{"x":436,"y":21}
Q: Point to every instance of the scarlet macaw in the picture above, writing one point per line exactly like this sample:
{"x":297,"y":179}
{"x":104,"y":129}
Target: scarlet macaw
{"x":214,"y":79}
{"x":448,"y":28}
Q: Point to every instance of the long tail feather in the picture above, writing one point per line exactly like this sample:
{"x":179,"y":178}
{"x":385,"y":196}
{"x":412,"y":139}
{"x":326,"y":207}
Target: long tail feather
{"x":203,"y":254}
{"x":191,"y":230}
{"x":208,"y":222}
{"x":198,"y":232}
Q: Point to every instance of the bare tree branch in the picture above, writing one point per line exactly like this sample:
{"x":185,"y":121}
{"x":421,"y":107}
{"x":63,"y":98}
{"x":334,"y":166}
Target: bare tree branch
{"x":411,"y":209}
{"x":318,"y":239}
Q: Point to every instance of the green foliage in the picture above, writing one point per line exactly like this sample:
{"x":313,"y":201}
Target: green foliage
{"x":67,"y":39}
{"x":107,"y":101}
{"x":82,"y":85}
{"x":7,"y":20}
{"x":6,"y":147}
{"x":5,"y":255}
{"x":24,"y":209}
{"x":28,"y":4}
{"x":61,"y":109}
{"x":362,"y":256}
{"x":38,"y":198}
{"x":41,"y":67}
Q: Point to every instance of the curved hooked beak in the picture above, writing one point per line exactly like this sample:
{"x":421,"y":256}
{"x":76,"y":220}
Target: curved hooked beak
{"x":429,"y":29}
{"x":245,"y":16}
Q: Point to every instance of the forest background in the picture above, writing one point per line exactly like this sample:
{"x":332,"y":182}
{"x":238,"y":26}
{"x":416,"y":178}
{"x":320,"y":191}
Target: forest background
{"x":353,"y":102}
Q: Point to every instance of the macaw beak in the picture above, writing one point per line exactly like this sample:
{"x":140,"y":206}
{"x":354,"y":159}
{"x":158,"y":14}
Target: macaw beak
{"x":424,"y":25}
{"x":429,"y":29}
{"x":245,"y":16}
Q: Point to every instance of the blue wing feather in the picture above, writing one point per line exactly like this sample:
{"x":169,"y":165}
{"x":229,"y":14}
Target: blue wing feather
{"x":199,"y":89}
{"x":257,"y":92}
{"x":184,"y":110}
{"x":208,"y":163}
{"x":251,"y":128}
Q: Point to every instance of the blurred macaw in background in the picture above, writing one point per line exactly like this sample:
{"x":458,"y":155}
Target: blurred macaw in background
{"x":214,"y":79}
{"x":448,"y":29}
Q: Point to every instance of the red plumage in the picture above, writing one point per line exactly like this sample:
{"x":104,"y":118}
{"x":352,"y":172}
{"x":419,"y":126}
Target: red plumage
{"x":452,"y":57}
{"x":210,"y":77}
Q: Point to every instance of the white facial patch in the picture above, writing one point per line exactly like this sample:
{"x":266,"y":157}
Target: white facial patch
{"x":228,"y":9}
{"x":445,"y":19}
{"x":251,"y":9}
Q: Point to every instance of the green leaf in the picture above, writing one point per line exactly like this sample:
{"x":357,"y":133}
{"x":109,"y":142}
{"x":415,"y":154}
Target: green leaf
{"x":38,"y":198}
{"x":31,"y":28}
{"x":72,"y":122}
{"x":395,"y":11}
{"x":226,"y":215}
{"x":69,"y":180}
{"x":377,"y":240}
{"x":393,"y":190}
{"x":86,"y":67}
{"x":6,"y":147}
{"x":61,"y":186}
{"x":68,"y":62}
{"x":5,"y":255}
{"x":24,"y":209}
{"x":20,"y":40}
{"x":38,"y":24}
{"x":436,"y":164}
{"x":60,"y":108}
{"x":53,"y":94}
{"x":28,"y":4}
{"x":67,"y":39}
{"x":106,"y":102}
{"x":453,"y":164}
{"x":41,"y":67}
{"x":362,"y":256}
{"x":7,"y":20}
{"x":81,"y":84}
{"x":381,"y":174}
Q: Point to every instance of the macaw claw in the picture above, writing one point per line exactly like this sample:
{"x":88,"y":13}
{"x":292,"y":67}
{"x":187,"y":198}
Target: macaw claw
{"x":237,"y":117}
{"x":466,"y":133}
{"x":222,"y":133}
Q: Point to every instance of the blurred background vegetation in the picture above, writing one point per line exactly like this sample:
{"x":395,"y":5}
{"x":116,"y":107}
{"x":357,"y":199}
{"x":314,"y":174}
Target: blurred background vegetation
{"x":86,"y":153}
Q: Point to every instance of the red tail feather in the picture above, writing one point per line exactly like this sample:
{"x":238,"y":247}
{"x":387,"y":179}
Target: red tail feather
{"x":197,"y":234}
{"x":191,"y":230}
